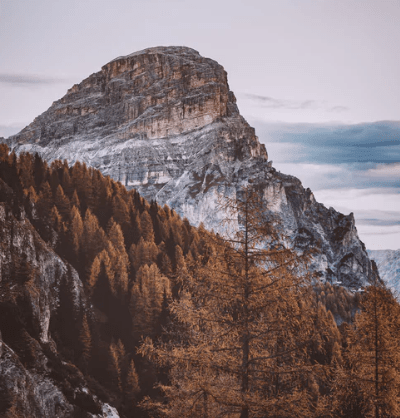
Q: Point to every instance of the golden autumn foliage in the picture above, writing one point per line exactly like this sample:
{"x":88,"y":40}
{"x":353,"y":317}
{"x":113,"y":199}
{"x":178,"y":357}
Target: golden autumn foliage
{"x":132,"y":383}
{"x":239,"y":344}
{"x":368,"y":383}
{"x":229,"y":326}
{"x":149,"y":291}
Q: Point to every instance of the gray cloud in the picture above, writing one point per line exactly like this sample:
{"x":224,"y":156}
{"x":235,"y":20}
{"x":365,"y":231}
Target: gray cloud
{"x":273,"y":103}
{"x":335,"y":176}
{"x":378,"y":222}
{"x":377,"y":142}
{"x":30,"y":79}
{"x":384,"y":218}
{"x":338,"y":109}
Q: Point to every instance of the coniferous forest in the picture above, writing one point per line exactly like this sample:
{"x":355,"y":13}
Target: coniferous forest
{"x":161,"y":319}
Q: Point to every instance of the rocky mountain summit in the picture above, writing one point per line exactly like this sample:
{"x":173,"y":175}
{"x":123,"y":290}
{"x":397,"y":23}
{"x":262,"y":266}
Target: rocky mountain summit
{"x":164,"y":121}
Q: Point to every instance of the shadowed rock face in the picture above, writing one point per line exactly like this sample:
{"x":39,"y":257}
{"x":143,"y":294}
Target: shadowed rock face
{"x":164,"y":121}
{"x":28,"y":377}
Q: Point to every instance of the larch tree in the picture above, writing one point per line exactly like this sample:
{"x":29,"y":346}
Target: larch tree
{"x":238,"y":346}
{"x":62,"y":202}
{"x":119,"y":260}
{"x":67,"y":183}
{"x":56,"y":219}
{"x":115,"y":364}
{"x":76,"y":230}
{"x":26,"y":170}
{"x":132,"y":387}
{"x":93,"y":240}
{"x":368,"y":384}
{"x":146,"y":225}
{"x":120,"y":210}
{"x":118,"y":363}
{"x":75,"y":200}
{"x":148,"y":294}
{"x":101,"y":281}
{"x":116,"y":237}
{"x":45,"y":202}
{"x":145,"y":252}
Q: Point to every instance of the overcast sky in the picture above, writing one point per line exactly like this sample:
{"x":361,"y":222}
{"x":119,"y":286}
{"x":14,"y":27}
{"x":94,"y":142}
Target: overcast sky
{"x":313,"y":76}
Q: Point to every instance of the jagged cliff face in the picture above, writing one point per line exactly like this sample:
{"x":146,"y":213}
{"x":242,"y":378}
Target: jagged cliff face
{"x":164,"y":121}
{"x":30,"y":365}
{"x":388,"y":263}
{"x":155,"y":93}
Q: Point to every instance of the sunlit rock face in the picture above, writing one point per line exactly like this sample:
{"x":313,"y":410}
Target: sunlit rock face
{"x":164,"y":121}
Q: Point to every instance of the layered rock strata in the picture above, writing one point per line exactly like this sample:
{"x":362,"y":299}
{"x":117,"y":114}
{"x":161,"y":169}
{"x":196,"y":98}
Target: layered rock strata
{"x":164,"y":121}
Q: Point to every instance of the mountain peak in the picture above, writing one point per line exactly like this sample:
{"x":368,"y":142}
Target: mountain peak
{"x":183,"y":51}
{"x":157,"y":93}
{"x":164,"y":121}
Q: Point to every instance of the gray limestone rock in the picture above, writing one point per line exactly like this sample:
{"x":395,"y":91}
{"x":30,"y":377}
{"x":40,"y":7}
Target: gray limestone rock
{"x":164,"y":121}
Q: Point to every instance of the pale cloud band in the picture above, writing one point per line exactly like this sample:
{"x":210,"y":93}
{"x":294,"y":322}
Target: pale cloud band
{"x":273,"y":103}
{"x":377,"y":142}
{"x":30,"y":79}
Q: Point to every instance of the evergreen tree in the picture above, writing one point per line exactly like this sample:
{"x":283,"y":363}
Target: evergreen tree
{"x":62,"y":203}
{"x":116,"y":238}
{"x":145,"y":252}
{"x":4,"y":152}
{"x":147,"y":299}
{"x":119,"y":260}
{"x":45,"y":201}
{"x":76,"y":231}
{"x":115,"y":366}
{"x":132,"y":383}
{"x":75,"y":200}
{"x":120,"y":211}
{"x":67,"y":183}
{"x":101,"y":281}
{"x":117,"y":362}
{"x":39,"y":170}
{"x":146,"y":225}
{"x":93,"y":240}
{"x":26,"y":170}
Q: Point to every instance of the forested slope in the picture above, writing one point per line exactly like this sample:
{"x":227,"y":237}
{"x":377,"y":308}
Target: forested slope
{"x":99,"y":287}
{"x":96,"y":262}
